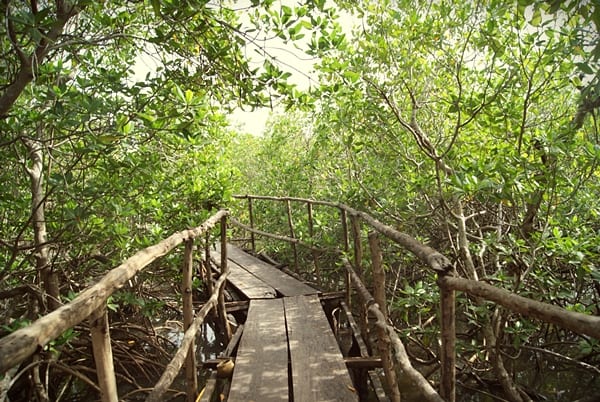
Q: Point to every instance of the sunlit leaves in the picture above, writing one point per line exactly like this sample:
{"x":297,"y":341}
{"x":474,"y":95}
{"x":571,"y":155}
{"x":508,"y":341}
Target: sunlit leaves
{"x":119,"y":151}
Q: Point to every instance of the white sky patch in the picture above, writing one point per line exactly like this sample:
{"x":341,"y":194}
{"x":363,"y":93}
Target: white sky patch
{"x":286,"y":55}
{"x":250,"y":122}
{"x":289,"y":58}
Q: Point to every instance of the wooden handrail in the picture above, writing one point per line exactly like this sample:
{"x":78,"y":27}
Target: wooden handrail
{"x":577,"y":322}
{"x":174,"y":366}
{"x":401,"y":355}
{"x":431,"y":257}
{"x":22,"y":343}
{"x":288,"y":239}
{"x":448,"y":283}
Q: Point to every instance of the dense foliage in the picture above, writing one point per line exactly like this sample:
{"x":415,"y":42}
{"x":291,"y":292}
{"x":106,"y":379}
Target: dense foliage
{"x":113,"y":135}
{"x":473,"y":127}
{"x":469,"y":125}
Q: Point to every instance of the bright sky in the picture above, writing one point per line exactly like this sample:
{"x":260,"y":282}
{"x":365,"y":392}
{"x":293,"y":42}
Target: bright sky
{"x":292,"y":60}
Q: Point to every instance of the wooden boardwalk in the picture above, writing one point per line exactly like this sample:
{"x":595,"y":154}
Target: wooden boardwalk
{"x":287,"y":351}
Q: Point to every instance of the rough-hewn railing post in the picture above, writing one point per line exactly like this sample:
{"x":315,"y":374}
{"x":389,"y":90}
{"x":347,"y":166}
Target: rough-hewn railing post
{"x":188,"y":317}
{"x":346,"y":246}
{"x":251,"y":216}
{"x":448,"y":335}
{"x":209,"y":279}
{"x":224,"y":270}
{"x":173,"y":368}
{"x":380,"y":298}
{"x":358,"y":255}
{"x":103,"y":355}
{"x":378,"y":273}
{"x":288,"y":206}
{"x":580,"y":323}
{"x":424,"y":387}
{"x":357,"y":244}
{"x":344,"y":222}
{"x":311,"y":232}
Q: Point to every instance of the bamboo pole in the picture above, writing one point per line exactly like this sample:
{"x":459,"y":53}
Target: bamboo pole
{"x":224,"y":270}
{"x":103,"y":356}
{"x":311,"y":233}
{"x":288,"y":206}
{"x":251,"y":216}
{"x":191,"y":379}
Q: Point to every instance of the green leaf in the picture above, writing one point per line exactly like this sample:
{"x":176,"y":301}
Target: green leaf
{"x":189,"y":95}
{"x":352,"y":76}
{"x":179,"y":93}
{"x":109,"y":139}
{"x":536,"y":18}
{"x":585,"y":68}
{"x":148,"y":117}
{"x":286,"y":14}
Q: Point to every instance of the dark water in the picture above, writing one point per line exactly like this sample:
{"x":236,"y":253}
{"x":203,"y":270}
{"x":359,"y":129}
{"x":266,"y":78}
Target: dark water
{"x":209,"y":344}
{"x":544,"y":379}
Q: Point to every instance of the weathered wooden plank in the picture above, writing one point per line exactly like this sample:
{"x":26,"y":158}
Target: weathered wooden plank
{"x":261,"y":365}
{"x":248,"y":284}
{"x":283,"y":283}
{"x":318,"y":369}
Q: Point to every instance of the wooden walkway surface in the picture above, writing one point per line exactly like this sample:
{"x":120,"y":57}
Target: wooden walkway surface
{"x":287,"y":351}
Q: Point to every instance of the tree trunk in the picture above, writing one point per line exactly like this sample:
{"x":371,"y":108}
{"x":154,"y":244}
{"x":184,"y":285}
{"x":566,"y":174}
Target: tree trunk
{"x":46,"y":274}
{"x":508,"y":385}
{"x":30,"y":62}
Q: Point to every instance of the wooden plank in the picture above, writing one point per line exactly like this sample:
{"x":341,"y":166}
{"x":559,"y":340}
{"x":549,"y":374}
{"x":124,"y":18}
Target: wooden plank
{"x":206,"y":395}
{"x":261,"y":365}
{"x":283,"y":283}
{"x":249,"y":285}
{"x":318,"y":369}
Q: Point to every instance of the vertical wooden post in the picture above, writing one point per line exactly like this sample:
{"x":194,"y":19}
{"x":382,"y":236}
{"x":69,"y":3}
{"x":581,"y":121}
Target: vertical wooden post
{"x":292,"y":235}
{"x":103,"y":355}
{"x":378,"y":273}
{"x":345,"y":242}
{"x":191,"y":379}
{"x":358,"y":253}
{"x":251,"y":213}
{"x":224,"y":269}
{"x":201,"y":248}
{"x":383,"y":343}
{"x":448,"y":352}
{"x":209,"y":283}
{"x":311,"y":232}
{"x":346,"y":248}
